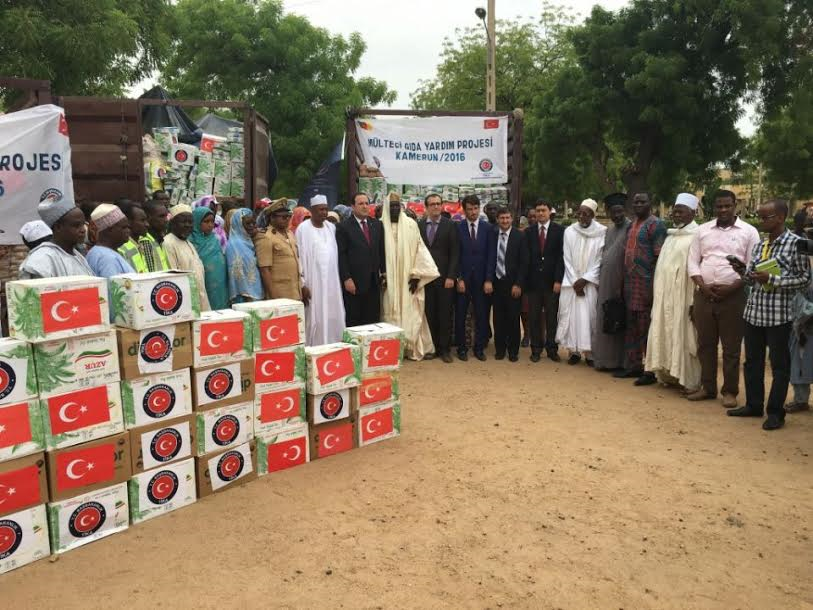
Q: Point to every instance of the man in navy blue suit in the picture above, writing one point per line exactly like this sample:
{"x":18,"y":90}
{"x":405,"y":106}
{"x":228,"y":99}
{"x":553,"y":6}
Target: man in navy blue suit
{"x":475,"y":277}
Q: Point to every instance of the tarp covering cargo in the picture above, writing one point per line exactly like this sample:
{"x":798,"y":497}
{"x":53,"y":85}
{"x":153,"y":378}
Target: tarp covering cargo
{"x":168,"y":116}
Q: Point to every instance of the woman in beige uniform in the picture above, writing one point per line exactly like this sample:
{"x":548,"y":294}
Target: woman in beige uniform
{"x":277,"y":255}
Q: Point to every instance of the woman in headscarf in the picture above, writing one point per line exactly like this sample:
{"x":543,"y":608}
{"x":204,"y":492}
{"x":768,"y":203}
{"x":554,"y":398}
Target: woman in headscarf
{"x":299,"y":214}
{"x":214,"y":262}
{"x":209,"y":201}
{"x":343,"y":211}
{"x":259,"y":206}
{"x":241,"y":259}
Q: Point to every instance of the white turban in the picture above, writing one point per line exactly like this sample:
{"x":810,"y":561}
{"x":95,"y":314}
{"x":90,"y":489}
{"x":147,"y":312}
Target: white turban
{"x":687,"y":199}
{"x":590,"y":203}
{"x":318,"y":200}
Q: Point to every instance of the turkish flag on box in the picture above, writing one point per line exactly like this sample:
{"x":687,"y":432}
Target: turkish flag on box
{"x":221,"y":338}
{"x":375,"y":424}
{"x":77,"y":410}
{"x":375,"y":389}
{"x":15,"y":425}
{"x":335,"y":365}
{"x":70,"y":309}
{"x":275,"y":369}
{"x":281,"y":405}
{"x":286,"y":454}
{"x":85,"y":466}
{"x":280,"y":332}
{"x":384,"y":353}
{"x":330,"y":439}
{"x":20,"y":488}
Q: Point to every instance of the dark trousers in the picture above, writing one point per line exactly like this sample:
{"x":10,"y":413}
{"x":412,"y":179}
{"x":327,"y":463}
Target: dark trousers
{"x":543,"y":301}
{"x":776,"y":340}
{"x":438,"y":308}
{"x":362,"y":308}
{"x":474,"y":294}
{"x":506,"y":310}
{"x":719,"y":322}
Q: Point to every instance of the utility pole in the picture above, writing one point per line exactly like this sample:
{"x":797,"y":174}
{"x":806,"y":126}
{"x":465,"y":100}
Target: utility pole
{"x":491,"y":71}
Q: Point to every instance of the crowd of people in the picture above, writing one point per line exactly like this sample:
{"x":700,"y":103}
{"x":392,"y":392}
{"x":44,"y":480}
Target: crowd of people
{"x":635,"y":298}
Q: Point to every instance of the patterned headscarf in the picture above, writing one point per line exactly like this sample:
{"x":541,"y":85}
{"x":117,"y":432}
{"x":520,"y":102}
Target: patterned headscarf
{"x":220,"y":225}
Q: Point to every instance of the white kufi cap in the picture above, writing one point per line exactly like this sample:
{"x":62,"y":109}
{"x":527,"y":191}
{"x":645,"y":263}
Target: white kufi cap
{"x":590,"y":203}
{"x":687,"y":199}
{"x":318,"y":200}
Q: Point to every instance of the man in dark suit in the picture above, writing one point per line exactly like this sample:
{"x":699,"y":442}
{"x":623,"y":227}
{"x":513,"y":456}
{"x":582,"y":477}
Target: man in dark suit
{"x":478,"y":254}
{"x":509,"y":277}
{"x":546,"y":268}
{"x":362,"y":265}
{"x":440,"y":236}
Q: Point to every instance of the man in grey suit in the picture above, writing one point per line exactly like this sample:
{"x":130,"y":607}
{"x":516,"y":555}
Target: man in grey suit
{"x":440,"y":237}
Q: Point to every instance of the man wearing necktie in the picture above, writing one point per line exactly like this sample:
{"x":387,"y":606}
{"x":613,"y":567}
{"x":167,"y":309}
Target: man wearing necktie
{"x":362,"y":264}
{"x":440,"y":236}
{"x":509,"y":277}
{"x":475,"y":277}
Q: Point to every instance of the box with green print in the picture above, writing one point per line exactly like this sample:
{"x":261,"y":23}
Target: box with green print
{"x":74,"y":363}
{"x":57,"y":308}
{"x":161,"y":490}
{"x":275,"y":323}
{"x":333,"y":366}
{"x":220,"y":337}
{"x":382,"y":346}
{"x":81,"y":416}
{"x":147,"y":300}
{"x":82,"y":519}
{"x":18,"y":376}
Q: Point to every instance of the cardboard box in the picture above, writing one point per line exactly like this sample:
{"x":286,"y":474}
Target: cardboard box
{"x":375,"y":388}
{"x":330,"y":406}
{"x":279,"y":368}
{"x":222,"y":471}
{"x":87,"y":467}
{"x":222,"y":385}
{"x":333,"y":366}
{"x":81,"y":415}
{"x":150,"y":300}
{"x":156,"y":397}
{"x":21,"y":430}
{"x":161,"y":443}
{"x":74,"y":522}
{"x":23,"y":538}
{"x":222,"y":186}
{"x":74,"y":363}
{"x":56,"y":308}
{"x":329,"y":439}
{"x":161,"y":491}
{"x":280,"y":408}
{"x":220,"y":337}
{"x":23,"y":484}
{"x":283,"y":449}
{"x":222,"y":427}
{"x":18,"y":377}
{"x":382,"y":346}
{"x":378,"y":423}
{"x":183,"y":154}
{"x":275,"y":323}
{"x":157,"y":350}
{"x":208,"y":142}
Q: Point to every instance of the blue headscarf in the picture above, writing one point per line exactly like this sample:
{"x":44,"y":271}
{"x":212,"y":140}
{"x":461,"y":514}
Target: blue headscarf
{"x":214,"y":263}
{"x":241,"y":260}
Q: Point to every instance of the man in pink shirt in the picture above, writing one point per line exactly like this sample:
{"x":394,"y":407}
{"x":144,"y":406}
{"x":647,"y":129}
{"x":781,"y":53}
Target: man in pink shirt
{"x":719,"y":299}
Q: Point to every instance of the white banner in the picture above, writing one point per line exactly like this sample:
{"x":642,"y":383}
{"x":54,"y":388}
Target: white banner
{"x":35,"y":164}
{"x":436,"y":150}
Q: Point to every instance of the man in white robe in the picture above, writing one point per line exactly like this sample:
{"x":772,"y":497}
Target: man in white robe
{"x":321,"y":288}
{"x":583,"y":244}
{"x":410,"y":267}
{"x":671,"y":349}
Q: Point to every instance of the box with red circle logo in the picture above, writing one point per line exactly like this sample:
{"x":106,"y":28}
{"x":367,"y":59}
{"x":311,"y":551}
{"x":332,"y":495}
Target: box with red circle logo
{"x":275,"y":323}
{"x":162,"y":443}
{"x":328,"y":406}
{"x":282,"y":449}
{"x":23,"y":538}
{"x":222,"y":427}
{"x":382,"y":346}
{"x":161,"y":490}
{"x":149,"y":300}
{"x":81,"y":416}
{"x":76,"y":362}
{"x":150,"y":399}
{"x":222,"y":471}
{"x":82,"y":519}
{"x":220,"y":337}
{"x":18,"y":378}
{"x":279,"y":408}
{"x":222,"y":385}
{"x":155,"y":350}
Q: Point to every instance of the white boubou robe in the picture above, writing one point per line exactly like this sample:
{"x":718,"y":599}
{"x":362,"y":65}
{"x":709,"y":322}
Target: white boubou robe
{"x":671,"y":349}
{"x":582,"y":257}
{"x":407,"y":258}
{"x":319,"y":259}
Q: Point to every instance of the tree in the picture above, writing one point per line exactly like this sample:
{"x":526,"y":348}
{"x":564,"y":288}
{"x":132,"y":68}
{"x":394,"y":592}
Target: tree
{"x":84,"y":47}
{"x":300,"y":77}
{"x":654,"y":97}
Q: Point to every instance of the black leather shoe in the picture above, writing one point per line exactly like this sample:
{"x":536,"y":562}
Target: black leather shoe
{"x":499,"y":356}
{"x":447,"y":357}
{"x":535,"y":357}
{"x":513,"y":357}
{"x":645,"y":379}
{"x":429,"y":357}
{"x":526,"y":342}
{"x":574,"y":359}
{"x":773,"y":423}
{"x":480,"y":356}
{"x":590,"y":363}
{"x":743,"y":412}
{"x":554,"y":355}
{"x":463,"y":356}
{"x":625,"y":374}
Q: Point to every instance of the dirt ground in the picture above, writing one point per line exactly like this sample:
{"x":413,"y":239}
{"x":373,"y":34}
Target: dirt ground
{"x":513,"y":485}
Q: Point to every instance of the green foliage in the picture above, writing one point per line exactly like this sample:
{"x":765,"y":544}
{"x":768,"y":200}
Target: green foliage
{"x":27,"y":313}
{"x":84,"y":47}
{"x":53,"y":368}
{"x":24,"y":353}
{"x":298,"y":76}
{"x":118,"y":301}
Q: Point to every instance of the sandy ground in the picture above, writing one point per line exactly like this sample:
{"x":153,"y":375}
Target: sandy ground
{"x":513,"y":485}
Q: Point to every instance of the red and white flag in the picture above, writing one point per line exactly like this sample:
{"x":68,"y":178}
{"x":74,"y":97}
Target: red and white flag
{"x":85,"y":466}
{"x":375,"y":389}
{"x":336,"y":440}
{"x":15,"y":425}
{"x":221,"y":338}
{"x":280,"y":405}
{"x":376,"y":424}
{"x":77,"y":410}
{"x":280,"y":332}
{"x":334,"y":365}
{"x":384,"y":352}
{"x":19,"y":488}
{"x":274,"y":367}
{"x":287,"y":454}
{"x":70,"y":309}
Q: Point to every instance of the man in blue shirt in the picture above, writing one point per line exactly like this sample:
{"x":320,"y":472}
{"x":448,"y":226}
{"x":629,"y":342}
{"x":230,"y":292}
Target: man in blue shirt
{"x":112,"y":232}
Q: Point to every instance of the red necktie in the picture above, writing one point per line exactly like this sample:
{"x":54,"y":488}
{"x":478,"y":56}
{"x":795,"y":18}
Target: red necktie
{"x":541,"y":238}
{"x":366,"y":230}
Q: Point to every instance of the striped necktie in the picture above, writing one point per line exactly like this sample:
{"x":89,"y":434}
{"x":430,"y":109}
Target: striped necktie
{"x":501,"y":255}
